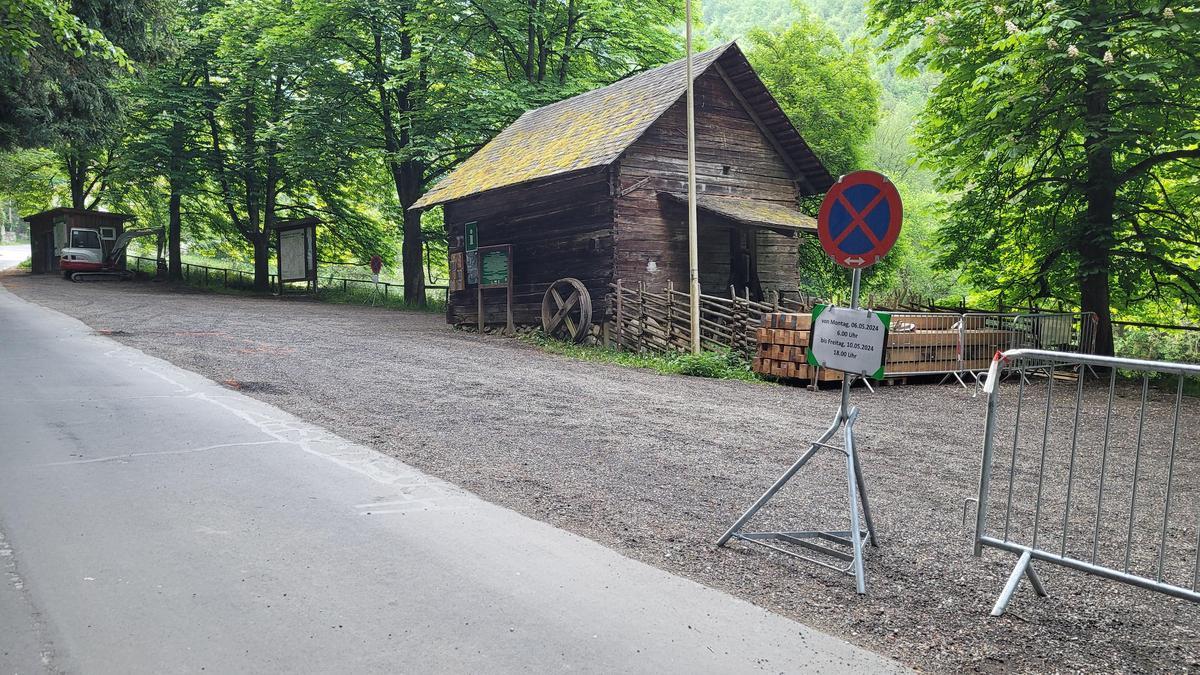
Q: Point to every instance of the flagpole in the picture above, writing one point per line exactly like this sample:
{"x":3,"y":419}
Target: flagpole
{"x":693,"y":247}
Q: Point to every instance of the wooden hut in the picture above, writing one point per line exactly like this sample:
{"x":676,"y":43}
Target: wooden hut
{"x":594,"y":187}
{"x":50,"y":231}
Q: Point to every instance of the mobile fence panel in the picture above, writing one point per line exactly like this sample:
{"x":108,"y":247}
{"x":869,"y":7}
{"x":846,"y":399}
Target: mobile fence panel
{"x":922,"y":343}
{"x":982,"y":335}
{"x":1092,"y":463}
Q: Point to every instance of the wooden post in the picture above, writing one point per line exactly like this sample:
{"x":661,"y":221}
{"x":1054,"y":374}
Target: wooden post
{"x":508,"y":325}
{"x":642,"y":317}
{"x":733,"y":317}
{"x":479,"y":305}
{"x":620,"y":315}
{"x":670,"y":313}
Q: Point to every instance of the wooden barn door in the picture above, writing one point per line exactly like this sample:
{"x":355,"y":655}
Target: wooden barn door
{"x":743,"y":263}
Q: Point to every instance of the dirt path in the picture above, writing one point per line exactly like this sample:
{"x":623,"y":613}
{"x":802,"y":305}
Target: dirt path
{"x":657,"y":466}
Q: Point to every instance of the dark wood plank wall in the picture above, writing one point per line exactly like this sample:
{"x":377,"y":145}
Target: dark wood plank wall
{"x":558,"y":227}
{"x":651,"y":237}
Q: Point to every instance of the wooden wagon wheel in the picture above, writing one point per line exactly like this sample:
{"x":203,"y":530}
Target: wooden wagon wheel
{"x":567,"y":310}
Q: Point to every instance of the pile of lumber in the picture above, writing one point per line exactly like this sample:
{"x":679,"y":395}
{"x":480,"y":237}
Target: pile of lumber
{"x":917,"y":344}
{"x":783,"y":349}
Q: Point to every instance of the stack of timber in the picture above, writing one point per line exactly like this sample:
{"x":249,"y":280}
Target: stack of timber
{"x":783,"y":349}
{"x":918,"y":344}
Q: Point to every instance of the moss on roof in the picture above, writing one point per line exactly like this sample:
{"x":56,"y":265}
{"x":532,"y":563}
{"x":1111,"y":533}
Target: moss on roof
{"x":585,"y":131}
{"x":753,"y":212}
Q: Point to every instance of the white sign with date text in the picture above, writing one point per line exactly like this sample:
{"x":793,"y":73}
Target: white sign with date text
{"x":849,"y":340}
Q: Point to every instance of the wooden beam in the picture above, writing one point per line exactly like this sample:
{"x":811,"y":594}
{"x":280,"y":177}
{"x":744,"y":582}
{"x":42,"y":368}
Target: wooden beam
{"x":737,"y":94}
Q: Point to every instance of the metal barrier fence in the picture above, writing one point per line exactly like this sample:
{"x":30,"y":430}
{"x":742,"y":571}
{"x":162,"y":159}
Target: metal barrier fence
{"x":981,"y":335}
{"x":1098,"y":474}
{"x":962,"y":346}
{"x":923,"y":344}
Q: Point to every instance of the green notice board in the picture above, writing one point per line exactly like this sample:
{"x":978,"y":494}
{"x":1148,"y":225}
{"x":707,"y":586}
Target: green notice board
{"x":471,"y":236}
{"x":494,"y":266}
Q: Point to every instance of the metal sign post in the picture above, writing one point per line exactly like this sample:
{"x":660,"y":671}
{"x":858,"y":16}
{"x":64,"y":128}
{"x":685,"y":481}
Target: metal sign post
{"x":859,"y":222}
{"x":376,"y":268}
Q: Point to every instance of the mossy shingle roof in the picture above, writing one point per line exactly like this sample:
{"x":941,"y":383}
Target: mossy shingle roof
{"x":594,"y":128}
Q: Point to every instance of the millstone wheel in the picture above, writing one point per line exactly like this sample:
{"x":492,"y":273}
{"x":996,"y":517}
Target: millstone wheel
{"x":567,"y":310}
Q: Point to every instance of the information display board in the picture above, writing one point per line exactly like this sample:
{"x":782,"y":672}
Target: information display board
{"x":458,"y":276}
{"x":471,"y":236}
{"x":849,"y":340}
{"x":494,"y":264}
{"x":494,"y":270}
{"x":471,"y":264}
{"x":294,"y":255}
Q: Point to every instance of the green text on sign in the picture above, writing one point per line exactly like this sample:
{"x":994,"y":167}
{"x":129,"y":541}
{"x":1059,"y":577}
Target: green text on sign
{"x":495,"y":269}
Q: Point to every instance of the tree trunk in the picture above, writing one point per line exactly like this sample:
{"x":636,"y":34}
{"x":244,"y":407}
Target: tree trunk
{"x":76,"y":175}
{"x":174,"y":205}
{"x":262,"y":262}
{"x":1096,"y":237}
{"x":411,"y":258}
{"x":174,"y":226}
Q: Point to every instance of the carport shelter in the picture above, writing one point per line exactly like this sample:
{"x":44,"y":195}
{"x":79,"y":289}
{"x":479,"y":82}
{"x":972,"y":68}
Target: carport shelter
{"x":51,"y":231}
{"x":594,"y":187}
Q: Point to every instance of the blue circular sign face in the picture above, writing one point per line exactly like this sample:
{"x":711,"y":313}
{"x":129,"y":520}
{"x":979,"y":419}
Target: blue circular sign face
{"x":860,"y":218}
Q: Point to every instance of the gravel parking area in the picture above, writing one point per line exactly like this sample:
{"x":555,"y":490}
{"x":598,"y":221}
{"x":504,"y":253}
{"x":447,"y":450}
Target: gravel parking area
{"x":657,"y":467}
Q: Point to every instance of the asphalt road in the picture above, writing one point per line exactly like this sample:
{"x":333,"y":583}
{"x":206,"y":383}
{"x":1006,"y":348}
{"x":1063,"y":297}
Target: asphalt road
{"x":153,"y":521}
{"x":12,"y":254}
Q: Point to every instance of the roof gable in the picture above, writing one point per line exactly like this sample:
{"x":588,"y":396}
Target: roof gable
{"x":594,"y":128}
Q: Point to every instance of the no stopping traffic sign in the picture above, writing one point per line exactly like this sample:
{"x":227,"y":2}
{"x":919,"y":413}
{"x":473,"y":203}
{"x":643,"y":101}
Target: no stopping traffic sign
{"x":860,"y":219}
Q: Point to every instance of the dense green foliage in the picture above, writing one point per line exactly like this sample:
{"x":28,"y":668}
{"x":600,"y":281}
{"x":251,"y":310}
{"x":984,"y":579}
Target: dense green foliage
{"x":825,"y":88}
{"x":1045,"y":150}
{"x":1070,"y":133}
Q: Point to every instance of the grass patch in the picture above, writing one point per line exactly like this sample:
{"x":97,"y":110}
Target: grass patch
{"x":723,"y":365}
{"x":26,"y":264}
{"x":366,"y":295}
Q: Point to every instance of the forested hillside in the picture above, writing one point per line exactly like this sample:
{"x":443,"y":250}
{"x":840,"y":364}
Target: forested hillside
{"x":1045,"y":155}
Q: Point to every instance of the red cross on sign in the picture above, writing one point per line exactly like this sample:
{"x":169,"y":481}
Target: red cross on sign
{"x":860,"y":218}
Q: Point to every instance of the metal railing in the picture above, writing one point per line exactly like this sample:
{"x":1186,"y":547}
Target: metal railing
{"x":227,"y":277}
{"x":1100,"y":479}
{"x":982,"y":335}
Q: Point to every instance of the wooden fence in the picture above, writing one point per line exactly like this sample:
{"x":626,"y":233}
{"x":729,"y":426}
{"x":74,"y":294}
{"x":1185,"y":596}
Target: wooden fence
{"x":644,"y":321}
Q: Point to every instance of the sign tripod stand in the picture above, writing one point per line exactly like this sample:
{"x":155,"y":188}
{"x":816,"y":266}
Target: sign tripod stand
{"x":856,"y":489}
{"x":858,"y":223}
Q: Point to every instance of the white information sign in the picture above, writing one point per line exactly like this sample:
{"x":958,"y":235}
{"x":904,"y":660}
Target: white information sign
{"x":292,"y":255}
{"x":849,"y":340}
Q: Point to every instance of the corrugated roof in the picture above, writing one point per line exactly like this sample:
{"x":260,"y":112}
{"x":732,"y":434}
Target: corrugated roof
{"x":753,"y":212}
{"x":594,"y":128}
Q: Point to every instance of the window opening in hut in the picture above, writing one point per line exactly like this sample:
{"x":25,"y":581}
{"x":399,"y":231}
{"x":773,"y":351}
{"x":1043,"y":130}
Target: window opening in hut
{"x":85,"y":239}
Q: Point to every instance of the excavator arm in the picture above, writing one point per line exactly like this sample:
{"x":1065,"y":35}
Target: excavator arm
{"x":122,"y":242}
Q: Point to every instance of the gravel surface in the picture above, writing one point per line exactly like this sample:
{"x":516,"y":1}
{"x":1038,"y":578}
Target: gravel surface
{"x":658,"y":466}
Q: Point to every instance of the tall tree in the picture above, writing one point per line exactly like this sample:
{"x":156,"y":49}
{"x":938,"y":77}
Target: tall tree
{"x":66,"y":98}
{"x":437,"y":78}
{"x":1070,"y":129}
{"x":823,"y":85}
{"x":36,"y":38}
